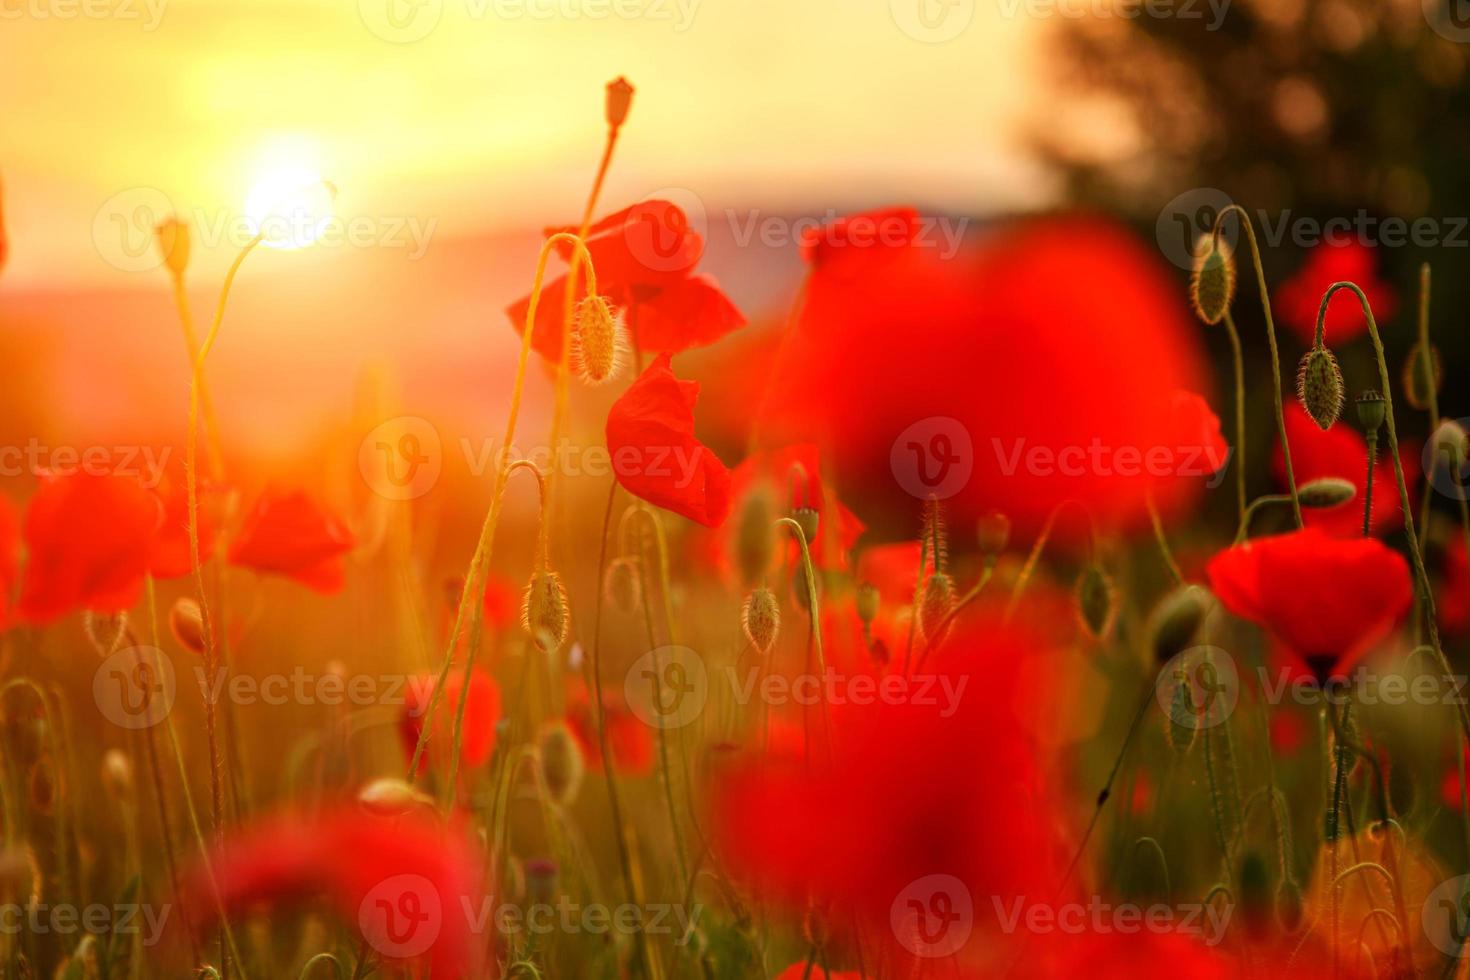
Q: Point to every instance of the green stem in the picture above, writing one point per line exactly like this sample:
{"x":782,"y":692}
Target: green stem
{"x":1238,"y":357}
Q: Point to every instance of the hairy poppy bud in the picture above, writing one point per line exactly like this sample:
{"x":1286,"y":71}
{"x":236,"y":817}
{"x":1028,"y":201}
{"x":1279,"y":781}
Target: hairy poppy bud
{"x":619,"y":101}
{"x":867,"y":603}
{"x":173,"y":243}
{"x":598,"y":342}
{"x":1176,"y":619}
{"x":1319,"y":386}
{"x":623,"y":588}
{"x":993,"y":533}
{"x":562,"y":764}
{"x":755,"y":539}
{"x":1326,"y":491}
{"x":104,"y":630}
{"x":1372,"y":410}
{"x":117,"y":775}
{"x":760,"y":618}
{"x":1212,"y":286}
{"x":390,"y":797}
{"x":936,"y":605}
{"x":1095,"y":601}
{"x":809,"y":520}
{"x":186,"y":623}
{"x":1451,"y":440}
{"x":544,"y":613}
{"x":1420,"y":386}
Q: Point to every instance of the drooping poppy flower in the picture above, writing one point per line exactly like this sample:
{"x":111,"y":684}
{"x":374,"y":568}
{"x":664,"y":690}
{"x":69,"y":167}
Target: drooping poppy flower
{"x":1328,"y":600}
{"x":1342,"y":452}
{"x":1298,"y":299}
{"x":1035,"y":366}
{"x":481,"y":713}
{"x":287,"y":533}
{"x":172,"y":557}
{"x":628,"y":738}
{"x":644,"y":257}
{"x":9,"y":557}
{"x":410,"y":887}
{"x":655,"y":456}
{"x":89,"y":540}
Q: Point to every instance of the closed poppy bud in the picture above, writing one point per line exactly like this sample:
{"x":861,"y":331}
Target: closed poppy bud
{"x":1451,"y":440}
{"x":562,"y":765}
{"x":117,"y":775}
{"x":619,"y":101}
{"x":1212,"y":286}
{"x":760,"y":617}
{"x":1327,"y":491}
{"x":993,"y":533}
{"x":936,"y":605}
{"x":1095,"y":601}
{"x":173,"y":244}
{"x":544,"y":612}
{"x":390,"y":797}
{"x":1176,"y":620}
{"x":104,"y":630}
{"x":598,"y":342}
{"x":186,"y":623}
{"x":867,"y":603}
{"x":755,"y":540}
{"x":1420,"y":386}
{"x":809,"y":520}
{"x":1255,"y":894}
{"x":622,"y":586}
{"x":1319,"y":386}
{"x":1372,"y":410}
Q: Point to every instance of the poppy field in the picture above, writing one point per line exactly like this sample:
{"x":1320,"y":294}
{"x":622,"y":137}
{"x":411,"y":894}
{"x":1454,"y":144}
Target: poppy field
{"x":1033,"y":597}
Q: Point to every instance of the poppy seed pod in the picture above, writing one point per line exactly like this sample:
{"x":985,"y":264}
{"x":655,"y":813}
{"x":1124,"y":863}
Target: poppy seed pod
{"x":1451,"y":440}
{"x":809,"y":520}
{"x":619,"y":101}
{"x":598,"y":341}
{"x":562,"y":765}
{"x":389,"y":797}
{"x":1095,"y":601}
{"x":622,"y":586}
{"x":936,"y":605}
{"x":1326,"y":491}
{"x":173,"y":243}
{"x":544,"y":612}
{"x":760,"y":618}
{"x":186,"y":623}
{"x":755,"y":542}
{"x":1319,"y":386}
{"x":1212,"y":284}
{"x":1176,"y":619}
{"x":104,"y":630}
{"x":868,"y":599}
{"x":1419,"y":391}
{"x":1372,"y":410}
{"x":993,"y":532}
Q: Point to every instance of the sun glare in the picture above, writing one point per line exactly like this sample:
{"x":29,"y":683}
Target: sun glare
{"x":290,"y":206}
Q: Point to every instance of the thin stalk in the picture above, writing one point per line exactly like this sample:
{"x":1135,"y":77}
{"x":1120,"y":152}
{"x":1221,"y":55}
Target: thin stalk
{"x":1368,"y":486}
{"x":1427,"y":377}
{"x":1163,"y":540}
{"x":1238,"y":358}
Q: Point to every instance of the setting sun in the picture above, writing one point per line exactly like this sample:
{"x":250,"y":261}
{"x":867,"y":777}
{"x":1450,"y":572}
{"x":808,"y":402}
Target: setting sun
{"x":289,"y":206}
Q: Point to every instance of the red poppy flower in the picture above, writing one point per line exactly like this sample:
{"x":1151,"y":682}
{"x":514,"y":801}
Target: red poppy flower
{"x":629,"y":739}
{"x":655,"y":456}
{"x":9,"y":557}
{"x":1288,"y":732}
{"x":1298,"y":299}
{"x":1328,"y":600}
{"x":286,"y":533}
{"x":1452,"y":600}
{"x":1037,"y":366}
{"x":1341,"y":451}
{"x":644,"y":258}
{"x":172,"y":557}
{"x":502,"y":602}
{"x":798,"y":971}
{"x":480,"y":716}
{"x":408,"y":885}
{"x":1110,"y":952}
{"x":89,"y":541}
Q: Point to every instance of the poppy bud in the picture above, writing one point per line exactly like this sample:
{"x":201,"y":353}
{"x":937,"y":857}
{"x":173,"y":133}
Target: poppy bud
{"x":809,"y":520}
{"x":1319,"y":386}
{"x":1180,"y":733}
{"x":799,"y":588}
{"x":993,"y":533}
{"x":186,"y":623}
{"x":867,"y":603}
{"x":619,"y":100}
{"x":389,"y":797}
{"x":760,"y":617}
{"x":1176,"y":619}
{"x":1255,"y":894}
{"x":20,"y":875}
{"x":1372,"y":410}
{"x":1451,"y":440}
{"x":622,"y":586}
{"x":1289,"y":906}
{"x":755,"y":541}
{"x":933,"y":533}
{"x":562,"y":765}
{"x":1212,"y":286}
{"x":598,"y":342}
{"x":1419,"y":391}
{"x":117,"y":775}
{"x":104,"y":630}
{"x":1095,"y":601}
{"x":544,"y":612}
{"x":173,"y":244}
{"x":1326,"y":491}
{"x":936,"y":605}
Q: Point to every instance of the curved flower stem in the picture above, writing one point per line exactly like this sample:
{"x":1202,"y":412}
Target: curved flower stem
{"x":191,"y":344}
{"x":1163,"y":540}
{"x":1238,"y":359}
{"x":1430,"y":391}
{"x":1255,"y":505}
{"x":1029,"y":569}
{"x":1368,"y":486}
{"x":941,"y":630}
{"x":337,"y":968}
{"x":483,"y":546}
{"x":1250,"y":234}
{"x":814,"y":612}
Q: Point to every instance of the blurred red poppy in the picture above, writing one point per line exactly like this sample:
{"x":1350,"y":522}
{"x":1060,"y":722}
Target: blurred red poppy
{"x":1288,"y":732}
{"x":1341,"y":451}
{"x":1452,"y":598}
{"x":9,"y":557}
{"x":891,"y":568}
{"x":1298,"y":299}
{"x":287,"y":533}
{"x":410,"y":886}
{"x":89,"y":540}
{"x":644,"y":258}
{"x":629,"y":739}
{"x":481,"y":713}
{"x":655,"y":456}
{"x":1328,"y":600}
{"x":1108,"y":952}
{"x":171,"y":556}
{"x":1036,"y":366}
